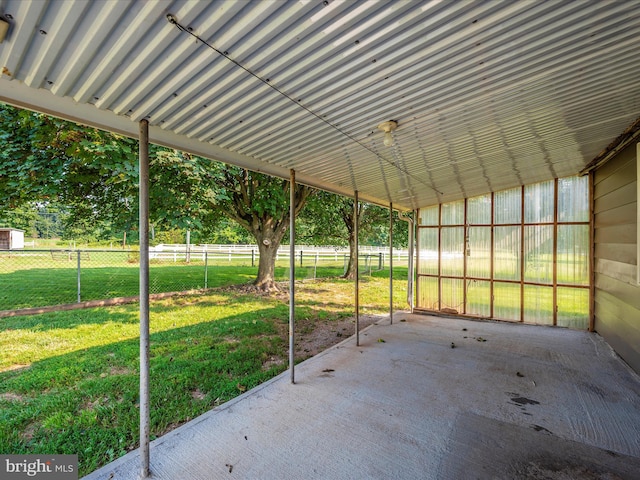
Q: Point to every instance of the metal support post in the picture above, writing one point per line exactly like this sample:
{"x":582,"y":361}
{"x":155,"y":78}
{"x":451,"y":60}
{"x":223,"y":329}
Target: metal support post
{"x":390,"y":263}
{"x":145,"y":418}
{"x":78,"y":252}
{"x":357,"y":270}
{"x":412,"y":240}
{"x":206,"y":269}
{"x":292,"y":271}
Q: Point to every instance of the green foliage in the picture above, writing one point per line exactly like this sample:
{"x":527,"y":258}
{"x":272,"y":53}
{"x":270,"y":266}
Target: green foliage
{"x":327,"y":219}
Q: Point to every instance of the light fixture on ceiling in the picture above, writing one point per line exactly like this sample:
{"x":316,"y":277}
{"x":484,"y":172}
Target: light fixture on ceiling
{"x":4,"y":28}
{"x":388,"y":128}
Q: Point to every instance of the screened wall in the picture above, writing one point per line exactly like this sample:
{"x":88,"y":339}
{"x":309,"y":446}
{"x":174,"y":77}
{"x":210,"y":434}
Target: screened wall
{"x":520,"y":255}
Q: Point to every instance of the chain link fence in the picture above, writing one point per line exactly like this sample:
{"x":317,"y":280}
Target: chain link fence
{"x":39,"y":278}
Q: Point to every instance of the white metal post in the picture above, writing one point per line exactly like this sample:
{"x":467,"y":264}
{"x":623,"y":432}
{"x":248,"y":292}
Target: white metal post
{"x":390,"y":263}
{"x":292,"y":271}
{"x":357,"y":270}
{"x":145,"y":418}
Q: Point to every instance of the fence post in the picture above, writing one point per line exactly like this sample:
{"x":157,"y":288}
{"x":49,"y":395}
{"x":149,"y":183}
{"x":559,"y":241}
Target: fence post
{"x":253,"y":257}
{"x":300,"y":257}
{"x":206,"y":269}
{"x":315,"y":267}
{"x":78,"y":276}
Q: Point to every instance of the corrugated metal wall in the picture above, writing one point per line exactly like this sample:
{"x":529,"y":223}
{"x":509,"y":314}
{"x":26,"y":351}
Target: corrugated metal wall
{"x":617,"y":294}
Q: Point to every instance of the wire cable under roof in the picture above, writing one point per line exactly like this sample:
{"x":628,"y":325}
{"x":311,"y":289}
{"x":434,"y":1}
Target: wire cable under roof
{"x":172,"y":20}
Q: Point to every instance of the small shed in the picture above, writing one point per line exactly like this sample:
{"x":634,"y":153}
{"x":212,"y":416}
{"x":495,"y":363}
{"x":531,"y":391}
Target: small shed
{"x":11,"y":239}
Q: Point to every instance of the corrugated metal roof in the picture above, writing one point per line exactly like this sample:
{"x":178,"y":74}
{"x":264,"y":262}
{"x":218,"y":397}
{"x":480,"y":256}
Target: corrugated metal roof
{"x":487,"y":95}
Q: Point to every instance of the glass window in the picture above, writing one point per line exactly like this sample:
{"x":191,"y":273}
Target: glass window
{"x":573,"y":254}
{"x":508,"y":206}
{"x":453,"y":213}
{"x":479,"y":252}
{"x":538,"y":253}
{"x":539,"y":202}
{"x":506,"y":253}
{"x":538,"y":304}
{"x":573,"y":307}
{"x":452,"y":251}
{"x":479,"y":298}
{"x":427,"y":293}
{"x":506,"y":301}
{"x":452,"y":294}
{"x":429,"y":215}
{"x":573,"y":199}
{"x":428,"y":253}
{"x":519,"y":269}
{"x":479,"y":210}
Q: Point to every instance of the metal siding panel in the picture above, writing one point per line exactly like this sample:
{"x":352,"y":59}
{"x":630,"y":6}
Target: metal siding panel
{"x":617,"y":323}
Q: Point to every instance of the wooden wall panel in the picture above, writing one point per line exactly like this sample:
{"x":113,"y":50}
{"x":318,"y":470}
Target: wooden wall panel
{"x":619,"y":252}
{"x":623,"y":196}
{"x":627,"y":233}
{"x":616,"y":292}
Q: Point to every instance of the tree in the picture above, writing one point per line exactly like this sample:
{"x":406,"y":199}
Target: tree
{"x":94,"y":174}
{"x":329,"y":219}
{"x":260,"y":204}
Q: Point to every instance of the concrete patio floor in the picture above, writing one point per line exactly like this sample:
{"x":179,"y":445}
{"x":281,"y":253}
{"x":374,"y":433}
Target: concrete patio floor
{"x":424,"y":398}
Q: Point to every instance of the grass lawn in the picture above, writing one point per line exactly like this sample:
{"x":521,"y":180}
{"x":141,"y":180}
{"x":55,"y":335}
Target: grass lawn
{"x":69,"y":380}
{"x":40,"y":278}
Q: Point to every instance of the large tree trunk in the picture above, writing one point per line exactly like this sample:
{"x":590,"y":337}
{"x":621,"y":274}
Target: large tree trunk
{"x":350,"y":222}
{"x":350,"y":273}
{"x":268,"y":244}
{"x":261,"y":205}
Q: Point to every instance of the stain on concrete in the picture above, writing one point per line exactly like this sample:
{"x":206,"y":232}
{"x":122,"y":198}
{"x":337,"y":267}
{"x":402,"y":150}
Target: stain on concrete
{"x":522,"y":401}
{"x":538,"y":428}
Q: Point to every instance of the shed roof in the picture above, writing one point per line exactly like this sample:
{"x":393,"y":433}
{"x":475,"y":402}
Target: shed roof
{"x":487,"y":95}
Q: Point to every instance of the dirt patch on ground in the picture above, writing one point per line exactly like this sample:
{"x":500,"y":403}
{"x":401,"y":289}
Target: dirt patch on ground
{"x":313,"y":337}
{"x":11,"y":397}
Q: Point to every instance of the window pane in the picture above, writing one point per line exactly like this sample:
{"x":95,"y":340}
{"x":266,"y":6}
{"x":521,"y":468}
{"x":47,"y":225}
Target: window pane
{"x":452,"y":294}
{"x":573,"y":199}
{"x":538,"y":305}
{"x":573,"y":254}
{"x":452,"y":251}
{"x":453,"y":213}
{"x":479,"y":210}
{"x":429,"y":215}
{"x":479,"y":252}
{"x":573,"y":307}
{"x":427,"y":293}
{"x":478,"y":298}
{"x":428,"y":253}
{"x":506,"y":261}
{"x":538,"y":254}
{"x":508,"y":205}
{"x":506,"y":301}
{"x":538,"y":203}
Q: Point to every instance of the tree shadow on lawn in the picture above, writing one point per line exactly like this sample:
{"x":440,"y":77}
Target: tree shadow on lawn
{"x":87,"y":402}
{"x":124,"y":314}
{"x":40,"y":287}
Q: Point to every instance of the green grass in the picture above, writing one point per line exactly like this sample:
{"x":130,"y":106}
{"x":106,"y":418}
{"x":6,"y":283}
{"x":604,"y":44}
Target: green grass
{"x":69,"y":380}
{"x":37,"y":279}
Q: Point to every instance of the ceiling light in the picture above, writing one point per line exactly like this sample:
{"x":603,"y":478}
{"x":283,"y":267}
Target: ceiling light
{"x":387,"y":128}
{"x":4,"y":28}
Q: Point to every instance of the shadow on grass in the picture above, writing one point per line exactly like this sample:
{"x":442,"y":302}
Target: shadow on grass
{"x":39,"y":287}
{"x":87,"y":402}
